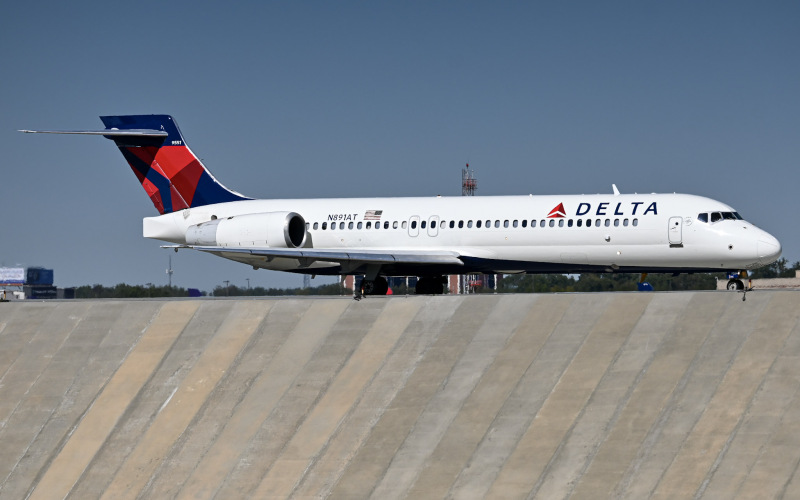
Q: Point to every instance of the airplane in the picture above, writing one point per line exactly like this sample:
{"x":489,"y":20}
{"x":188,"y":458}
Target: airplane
{"x":428,"y":237}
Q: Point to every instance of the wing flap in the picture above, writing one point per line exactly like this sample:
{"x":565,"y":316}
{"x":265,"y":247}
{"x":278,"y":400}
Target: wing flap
{"x":355,"y":255}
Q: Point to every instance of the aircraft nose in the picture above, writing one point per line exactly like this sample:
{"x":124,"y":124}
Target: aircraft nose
{"x":769,"y":249}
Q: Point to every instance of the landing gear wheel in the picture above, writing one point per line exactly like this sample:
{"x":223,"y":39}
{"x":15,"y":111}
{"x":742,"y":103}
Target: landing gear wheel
{"x":735,"y":285}
{"x":430,"y":285}
{"x":379,"y":286}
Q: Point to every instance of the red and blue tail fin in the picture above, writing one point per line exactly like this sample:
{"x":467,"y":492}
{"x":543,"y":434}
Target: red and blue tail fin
{"x":170,"y":173}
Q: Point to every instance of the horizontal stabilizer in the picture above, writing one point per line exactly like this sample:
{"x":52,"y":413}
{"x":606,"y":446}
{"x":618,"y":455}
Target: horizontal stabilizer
{"x":108,"y":132}
{"x":170,"y":173}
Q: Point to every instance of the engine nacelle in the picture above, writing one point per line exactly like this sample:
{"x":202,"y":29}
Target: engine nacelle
{"x":270,"y":229}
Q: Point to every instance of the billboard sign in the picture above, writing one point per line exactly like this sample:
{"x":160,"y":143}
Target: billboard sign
{"x":12,"y":276}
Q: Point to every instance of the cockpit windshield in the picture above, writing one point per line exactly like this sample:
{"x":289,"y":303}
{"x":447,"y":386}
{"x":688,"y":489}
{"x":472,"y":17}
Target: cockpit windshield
{"x":718,"y":216}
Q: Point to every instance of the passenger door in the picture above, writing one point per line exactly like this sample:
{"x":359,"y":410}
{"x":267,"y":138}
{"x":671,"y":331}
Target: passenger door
{"x":675,"y":231}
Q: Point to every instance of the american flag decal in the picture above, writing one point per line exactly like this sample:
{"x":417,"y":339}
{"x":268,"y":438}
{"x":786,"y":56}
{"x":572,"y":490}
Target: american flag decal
{"x":373,"y":215}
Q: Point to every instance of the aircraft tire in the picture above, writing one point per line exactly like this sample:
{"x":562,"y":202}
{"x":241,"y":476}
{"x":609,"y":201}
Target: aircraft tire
{"x":377,"y":287}
{"x":429,"y":285}
{"x":734,"y":285}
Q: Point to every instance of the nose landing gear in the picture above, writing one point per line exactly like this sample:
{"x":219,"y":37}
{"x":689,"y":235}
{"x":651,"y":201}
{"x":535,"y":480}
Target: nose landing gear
{"x":736,"y":283}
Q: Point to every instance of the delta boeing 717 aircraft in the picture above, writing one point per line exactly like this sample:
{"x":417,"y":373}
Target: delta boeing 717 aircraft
{"x":429,"y":237}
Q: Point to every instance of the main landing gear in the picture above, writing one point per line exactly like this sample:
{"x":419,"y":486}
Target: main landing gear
{"x":378,"y":286}
{"x":426,"y":285}
{"x":430,"y":285}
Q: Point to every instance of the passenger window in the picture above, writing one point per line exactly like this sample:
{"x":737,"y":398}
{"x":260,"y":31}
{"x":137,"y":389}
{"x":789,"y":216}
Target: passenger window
{"x":515,"y":223}
{"x":369,"y":225}
{"x":560,"y":222}
{"x":478,"y":224}
{"x":423,"y":224}
{"x":635,"y":222}
{"x":469,"y":223}
{"x":589,"y":223}
{"x":488,"y":224}
{"x":702,"y":217}
{"x":497,"y":223}
{"x":341,"y":225}
{"x":580,"y":222}
{"x":608,"y":222}
{"x":616,"y":222}
{"x":404,"y":224}
{"x":308,"y":226}
{"x":460,"y":224}
{"x":569,"y":223}
{"x":394,"y":225}
{"x":452,"y":224}
{"x":552,"y":223}
{"x":541,"y":223}
{"x":386,"y":225}
{"x":324,"y":226}
{"x":350,"y":225}
{"x":505,"y":223}
{"x":316,"y":226}
{"x":360,"y":225}
{"x":433,"y":224}
{"x":625,"y":222}
{"x":525,"y":223}
{"x":597,"y":223}
{"x":413,"y":224}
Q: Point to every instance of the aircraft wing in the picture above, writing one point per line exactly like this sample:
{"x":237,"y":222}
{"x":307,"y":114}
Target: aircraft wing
{"x":352,"y":256}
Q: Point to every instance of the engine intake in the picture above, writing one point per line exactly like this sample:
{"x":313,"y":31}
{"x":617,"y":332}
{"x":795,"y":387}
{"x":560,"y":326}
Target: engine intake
{"x":269,"y":229}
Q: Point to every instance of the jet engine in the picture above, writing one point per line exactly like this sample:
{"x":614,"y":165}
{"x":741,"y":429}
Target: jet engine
{"x":270,"y":229}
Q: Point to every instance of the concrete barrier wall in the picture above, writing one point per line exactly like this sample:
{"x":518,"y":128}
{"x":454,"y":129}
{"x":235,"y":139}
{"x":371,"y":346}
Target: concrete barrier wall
{"x":666,"y":395}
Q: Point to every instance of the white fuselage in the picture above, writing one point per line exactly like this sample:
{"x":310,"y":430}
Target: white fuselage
{"x":631,"y":232}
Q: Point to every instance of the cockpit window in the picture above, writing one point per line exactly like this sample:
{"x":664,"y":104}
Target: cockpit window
{"x":718,"y":216}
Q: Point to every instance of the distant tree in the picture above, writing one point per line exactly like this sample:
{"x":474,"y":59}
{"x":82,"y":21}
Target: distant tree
{"x":528,"y":283}
{"x":603,"y":282}
{"x":778,"y":269}
{"x":125,"y":291}
{"x":235,"y":291}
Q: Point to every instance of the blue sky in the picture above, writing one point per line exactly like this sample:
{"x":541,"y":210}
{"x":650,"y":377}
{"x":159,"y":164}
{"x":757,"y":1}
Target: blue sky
{"x":341,"y":99}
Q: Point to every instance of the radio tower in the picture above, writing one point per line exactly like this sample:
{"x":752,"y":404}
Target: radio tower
{"x":468,"y":186}
{"x":468,"y":181}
